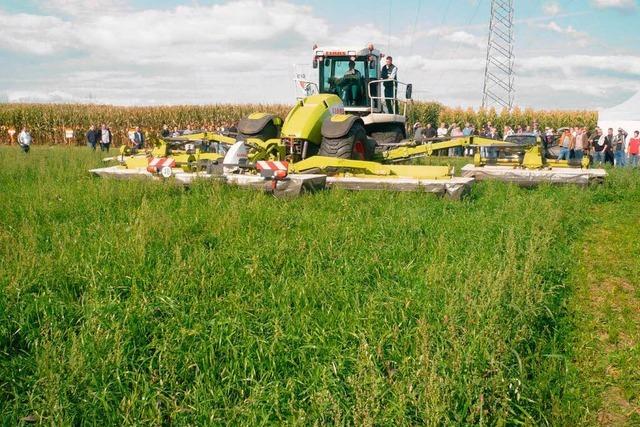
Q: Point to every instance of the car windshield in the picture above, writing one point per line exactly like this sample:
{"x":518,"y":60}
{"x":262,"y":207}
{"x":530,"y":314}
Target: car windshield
{"x":350,"y":85}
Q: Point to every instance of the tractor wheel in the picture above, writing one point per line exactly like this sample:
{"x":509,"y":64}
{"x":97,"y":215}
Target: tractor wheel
{"x":351,"y":146}
{"x":386,"y":140}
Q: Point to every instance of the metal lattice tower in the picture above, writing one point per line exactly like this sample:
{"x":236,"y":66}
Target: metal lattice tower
{"x":498,"y":75}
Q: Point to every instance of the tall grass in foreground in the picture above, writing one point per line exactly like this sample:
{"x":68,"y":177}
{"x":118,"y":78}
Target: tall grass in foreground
{"x":142,"y":303}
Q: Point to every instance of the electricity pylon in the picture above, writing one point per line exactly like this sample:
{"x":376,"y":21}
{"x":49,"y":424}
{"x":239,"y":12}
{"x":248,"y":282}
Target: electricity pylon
{"x":498,"y":74}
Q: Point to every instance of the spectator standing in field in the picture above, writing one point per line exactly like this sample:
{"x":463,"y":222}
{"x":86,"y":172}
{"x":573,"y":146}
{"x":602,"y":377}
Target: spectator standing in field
{"x":586,"y":142}
{"x":390,"y":73}
{"x":165,"y":133}
{"x":536,"y":129}
{"x":620,"y":148}
{"x":608,"y":147}
{"x":507,"y":132}
{"x":634,"y":150}
{"x":566,"y":142}
{"x":105,"y":138}
{"x":576,"y":149}
{"x":417,"y":131}
{"x":598,"y":144}
{"x":430,"y":132}
{"x":492,"y":133}
{"x":92,"y":137}
{"x":25,"y":140}
{"x":442,"y":130}
{"x":138,"y":139}
{"x":456,"y":132}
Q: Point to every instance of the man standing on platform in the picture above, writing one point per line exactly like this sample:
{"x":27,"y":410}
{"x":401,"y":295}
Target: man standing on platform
{"x":390,"y":73}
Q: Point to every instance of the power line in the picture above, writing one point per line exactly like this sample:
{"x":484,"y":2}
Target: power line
{"x":415,"y":25}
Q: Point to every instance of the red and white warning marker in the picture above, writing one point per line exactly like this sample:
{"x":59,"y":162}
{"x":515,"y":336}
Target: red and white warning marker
{"x":273,"y":169}
{"x":162,"y":165}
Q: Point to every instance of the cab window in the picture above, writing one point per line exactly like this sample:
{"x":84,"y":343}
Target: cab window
{"x":333,"y":70}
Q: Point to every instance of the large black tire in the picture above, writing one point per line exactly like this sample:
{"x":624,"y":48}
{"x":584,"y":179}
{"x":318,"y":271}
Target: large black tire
{"x":351,"y":146}
{"x":387,"y":139}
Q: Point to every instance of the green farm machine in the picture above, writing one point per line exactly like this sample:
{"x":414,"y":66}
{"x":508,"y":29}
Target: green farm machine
{"x":346,"y":133}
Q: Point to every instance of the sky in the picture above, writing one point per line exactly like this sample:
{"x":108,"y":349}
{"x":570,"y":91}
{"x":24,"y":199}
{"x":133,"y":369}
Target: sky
{"x":570,"y":54}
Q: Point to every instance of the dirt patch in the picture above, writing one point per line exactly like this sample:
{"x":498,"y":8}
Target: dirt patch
{"x":616,"y":409}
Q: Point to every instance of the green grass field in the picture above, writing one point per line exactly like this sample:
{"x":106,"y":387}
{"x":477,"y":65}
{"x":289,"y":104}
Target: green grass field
{"x":138,"y":303}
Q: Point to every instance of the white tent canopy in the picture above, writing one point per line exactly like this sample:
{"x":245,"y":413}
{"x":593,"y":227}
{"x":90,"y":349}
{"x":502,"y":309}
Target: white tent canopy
{"x":625,"y":116}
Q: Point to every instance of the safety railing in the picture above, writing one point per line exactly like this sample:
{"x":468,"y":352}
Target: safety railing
{"x":379,"y":100}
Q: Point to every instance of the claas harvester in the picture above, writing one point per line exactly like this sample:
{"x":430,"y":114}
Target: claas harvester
{"x":336,"y":136}
{"x":345,"y":133}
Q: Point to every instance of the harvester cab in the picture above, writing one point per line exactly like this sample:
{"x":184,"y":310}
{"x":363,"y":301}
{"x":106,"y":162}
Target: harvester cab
{"x":352,"y":113}
{"x":355,"y":75}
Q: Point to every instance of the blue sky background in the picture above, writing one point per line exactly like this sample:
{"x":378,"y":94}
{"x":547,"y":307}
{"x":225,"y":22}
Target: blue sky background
{"x":569,"y":54}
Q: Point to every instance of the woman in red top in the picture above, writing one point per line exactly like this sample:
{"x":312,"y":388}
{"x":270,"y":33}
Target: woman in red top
{"x":634,"y":150}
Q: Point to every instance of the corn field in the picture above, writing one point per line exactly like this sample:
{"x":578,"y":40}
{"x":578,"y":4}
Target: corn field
{"x":47,"y":122}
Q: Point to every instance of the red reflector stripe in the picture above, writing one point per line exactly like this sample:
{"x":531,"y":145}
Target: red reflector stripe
{"x":160,"y":162}
{"x":272,"y":166}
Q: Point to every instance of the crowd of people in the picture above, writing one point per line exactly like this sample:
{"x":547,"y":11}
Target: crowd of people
{"x":103,"y":137}
{"x":615,"y":148}
{"x":572,"y":143}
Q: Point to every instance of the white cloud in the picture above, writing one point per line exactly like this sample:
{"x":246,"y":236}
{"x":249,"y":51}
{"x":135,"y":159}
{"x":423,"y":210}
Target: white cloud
{"x":615,"y":4}
{"x":457,"y":36}
{"x":38,"y":96}
{"x":569,"y":30}
{"x":573,"y":64}
{"x":220,"y":34}
{"x":35,"y":34}
{"x":552,"y":8}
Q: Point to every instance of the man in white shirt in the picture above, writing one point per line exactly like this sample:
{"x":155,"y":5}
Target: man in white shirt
{"x":24,"y":140}
{"x":442,"y":131}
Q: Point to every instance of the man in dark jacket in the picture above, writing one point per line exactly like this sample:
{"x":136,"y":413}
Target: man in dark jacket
{"x":165,"y":133}
{"x":138,"y":139}
{"x":430,"y":132}
{"x":92,"y":138}
{"x":390,"y":73}
{"x":608,"y":147}
{"x":597,"y":144}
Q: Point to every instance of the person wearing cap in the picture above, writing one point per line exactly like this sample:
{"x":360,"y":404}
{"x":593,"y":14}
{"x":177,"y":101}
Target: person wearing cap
{"x":390,"y":73}
{"x":620,"y":148}
{"x":417,"y":131}
{"x":634,"y":150}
